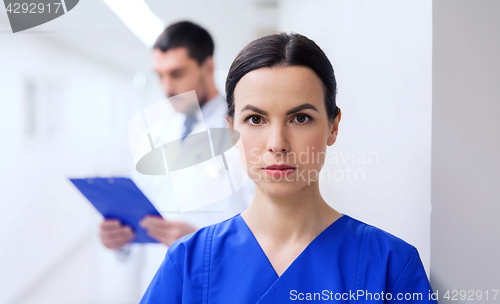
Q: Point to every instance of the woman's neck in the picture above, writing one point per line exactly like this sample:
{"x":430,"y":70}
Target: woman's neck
{"x":299,"y":217}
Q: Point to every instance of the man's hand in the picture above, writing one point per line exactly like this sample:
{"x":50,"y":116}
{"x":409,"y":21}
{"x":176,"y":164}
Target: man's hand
{"x":164,"y":231}
{"x":114,"y":235}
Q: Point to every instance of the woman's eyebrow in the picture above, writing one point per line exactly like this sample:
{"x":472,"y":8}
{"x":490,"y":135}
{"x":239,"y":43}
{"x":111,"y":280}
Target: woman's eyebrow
{"x":302,"y":107}
{"x":291,"y":111}
{"x":255,"y":109}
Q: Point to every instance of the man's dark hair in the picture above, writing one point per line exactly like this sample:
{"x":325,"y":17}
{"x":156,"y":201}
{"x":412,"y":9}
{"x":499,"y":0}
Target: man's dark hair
{"x":186,"y":34}
{"x":283,"y":50}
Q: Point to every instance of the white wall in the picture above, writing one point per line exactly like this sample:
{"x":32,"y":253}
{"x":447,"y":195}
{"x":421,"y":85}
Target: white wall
{"x":381,"y":54}
{"x":80,"y":113}
{"x":466,"y":149}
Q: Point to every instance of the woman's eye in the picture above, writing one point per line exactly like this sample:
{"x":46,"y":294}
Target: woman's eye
{"x":302,"y":118}
{"x":254,"y":120}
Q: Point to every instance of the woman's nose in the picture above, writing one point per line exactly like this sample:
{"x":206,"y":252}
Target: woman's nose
{"x":277,"y":140}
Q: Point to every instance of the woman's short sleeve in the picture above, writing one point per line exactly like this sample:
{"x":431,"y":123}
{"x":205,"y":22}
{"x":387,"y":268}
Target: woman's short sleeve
{"x":166,"y":286}
{"x":412,"y":285}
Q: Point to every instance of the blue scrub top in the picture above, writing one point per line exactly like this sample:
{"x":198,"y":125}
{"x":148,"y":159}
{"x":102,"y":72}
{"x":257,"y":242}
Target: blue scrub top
{"x":349,"y":261}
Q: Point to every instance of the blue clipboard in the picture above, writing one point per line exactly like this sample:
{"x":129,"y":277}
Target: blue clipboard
{"x":119,"y":198}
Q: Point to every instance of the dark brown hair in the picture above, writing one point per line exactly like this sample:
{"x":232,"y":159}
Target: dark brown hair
{"x":193,"y":37}
{"x":283,"y":50}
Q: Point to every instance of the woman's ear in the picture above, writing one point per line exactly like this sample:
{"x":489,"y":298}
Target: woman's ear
{"x":332,"y":137}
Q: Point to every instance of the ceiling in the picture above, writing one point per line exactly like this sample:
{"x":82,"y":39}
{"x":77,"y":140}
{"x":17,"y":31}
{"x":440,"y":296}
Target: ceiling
{"x":93,"y":29}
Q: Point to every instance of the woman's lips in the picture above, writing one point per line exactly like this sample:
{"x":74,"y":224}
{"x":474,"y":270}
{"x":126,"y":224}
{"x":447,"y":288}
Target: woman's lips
{"x":279,"y":171}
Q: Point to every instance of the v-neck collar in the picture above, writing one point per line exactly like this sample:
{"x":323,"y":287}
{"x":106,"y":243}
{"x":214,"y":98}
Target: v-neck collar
{"x":256,"y":243}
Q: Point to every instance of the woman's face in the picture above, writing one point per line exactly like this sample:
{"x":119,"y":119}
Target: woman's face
{"x":281,"y":116}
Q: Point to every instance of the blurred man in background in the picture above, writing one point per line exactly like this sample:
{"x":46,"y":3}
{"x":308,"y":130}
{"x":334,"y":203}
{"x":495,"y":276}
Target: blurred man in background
{"x":183,"y":60}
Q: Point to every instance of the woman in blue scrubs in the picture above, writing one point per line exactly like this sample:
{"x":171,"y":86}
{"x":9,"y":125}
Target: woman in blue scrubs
{"x":289,"y":245}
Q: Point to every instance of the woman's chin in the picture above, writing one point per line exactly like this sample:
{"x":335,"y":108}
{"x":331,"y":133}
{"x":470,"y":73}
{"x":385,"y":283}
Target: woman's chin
{"x":279,"y":189}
